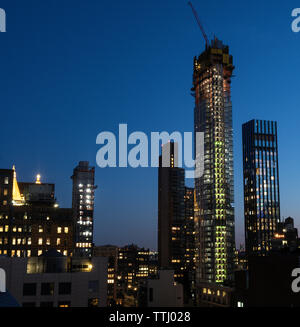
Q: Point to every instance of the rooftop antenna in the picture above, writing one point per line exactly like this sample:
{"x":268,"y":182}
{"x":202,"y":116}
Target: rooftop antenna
{"x":200,"y":25}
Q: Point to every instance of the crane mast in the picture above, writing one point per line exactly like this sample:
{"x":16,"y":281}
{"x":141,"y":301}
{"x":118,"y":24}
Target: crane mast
{"x":199,"y":24}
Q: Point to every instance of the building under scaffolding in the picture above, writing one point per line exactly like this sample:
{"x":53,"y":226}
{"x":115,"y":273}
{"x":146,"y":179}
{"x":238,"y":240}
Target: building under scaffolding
{"x":214,"y":217}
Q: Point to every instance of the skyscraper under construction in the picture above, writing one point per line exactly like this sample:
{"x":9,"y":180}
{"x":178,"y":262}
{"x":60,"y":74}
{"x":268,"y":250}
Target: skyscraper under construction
{"x":214,"y":196}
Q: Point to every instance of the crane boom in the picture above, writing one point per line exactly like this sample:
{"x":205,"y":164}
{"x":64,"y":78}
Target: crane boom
{"x":199,"y":24}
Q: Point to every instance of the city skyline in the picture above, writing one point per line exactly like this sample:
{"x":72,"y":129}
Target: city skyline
{"x":62,"y":116}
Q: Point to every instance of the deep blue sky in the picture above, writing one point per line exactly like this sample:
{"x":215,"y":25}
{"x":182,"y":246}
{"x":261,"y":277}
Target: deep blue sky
{"x":71,"y":69}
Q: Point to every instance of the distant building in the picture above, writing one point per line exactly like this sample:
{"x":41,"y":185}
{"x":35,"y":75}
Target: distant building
{"x":261,"y":185}
{"x":241,"y":260}
{"x":162,"y":291}
{"x":83,"y":208}
{"x":30,"y":220}
{"x":134,"y":265}
{"x":53,"y":280}
{"x":111,"y":253}
{"x":286,"y":236}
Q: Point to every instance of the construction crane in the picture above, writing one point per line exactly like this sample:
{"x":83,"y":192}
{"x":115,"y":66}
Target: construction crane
{"x":200,"y":25}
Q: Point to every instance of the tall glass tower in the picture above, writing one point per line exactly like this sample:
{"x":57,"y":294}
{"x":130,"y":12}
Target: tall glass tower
{"x":214,"y":217}
{"x":261,"y":185}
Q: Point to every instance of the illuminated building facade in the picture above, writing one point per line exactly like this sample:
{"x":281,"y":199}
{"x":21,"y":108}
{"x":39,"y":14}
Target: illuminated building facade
{"x":30,"y":220}
{"x":261,"y":185}
{"x":134,"y":265}
{"x":214,"y":194}
{"x":53,"y":280}
{"x":286,"y":236}
{"x":83,"y":208}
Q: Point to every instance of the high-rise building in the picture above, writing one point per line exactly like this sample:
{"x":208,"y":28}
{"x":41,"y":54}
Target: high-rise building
{"x":214,"y":210}
{"x":171,"y":211}
{"x":83,"y":208}
{"x":261,"y":185}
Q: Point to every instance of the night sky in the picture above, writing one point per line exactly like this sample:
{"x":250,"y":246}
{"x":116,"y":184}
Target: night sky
{"x":72,"y":69}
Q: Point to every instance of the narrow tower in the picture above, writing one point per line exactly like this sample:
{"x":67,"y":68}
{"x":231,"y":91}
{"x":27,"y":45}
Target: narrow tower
{"x":214,"y":217}
{"x":83,"y":208}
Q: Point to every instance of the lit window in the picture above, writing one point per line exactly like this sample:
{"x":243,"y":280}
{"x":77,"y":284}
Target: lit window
{"x":59,"y":230}
{"x":66,"y":230}
{"x":40,"y":241}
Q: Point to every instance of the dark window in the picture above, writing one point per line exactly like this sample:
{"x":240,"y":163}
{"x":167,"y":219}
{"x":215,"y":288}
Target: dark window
{"x":47,"y":289}
{"x":29,"y":289}
{"x":46,"y":304}
{"x":93,"y":286}
{"x":28,"y":305}
{"x":93,"y":302}
{"x":64,"y":288}
{"x":151,"y":294}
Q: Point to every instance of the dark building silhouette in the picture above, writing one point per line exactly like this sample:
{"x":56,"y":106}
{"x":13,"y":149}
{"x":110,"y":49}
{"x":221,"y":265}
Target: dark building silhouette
{"x":111,"y":253}
{"x":83,"y":208}
{"x":268,"y":281}
{"x":189,"y":257}
{"x":261,"y":185}
{"x":171,"y":211}
{"x":214,"y":220}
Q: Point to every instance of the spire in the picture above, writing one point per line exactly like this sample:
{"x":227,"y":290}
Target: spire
{"x":18,"y":200}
